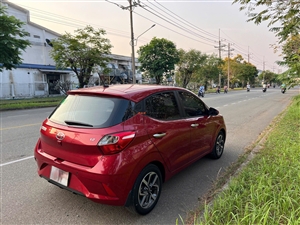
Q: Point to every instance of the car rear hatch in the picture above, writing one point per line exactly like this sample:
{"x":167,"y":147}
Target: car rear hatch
{"x":72,"y":132}
{"x":72,"y":144}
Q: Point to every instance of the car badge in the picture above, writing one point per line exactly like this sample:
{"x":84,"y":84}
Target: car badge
{"x":60,"y":136}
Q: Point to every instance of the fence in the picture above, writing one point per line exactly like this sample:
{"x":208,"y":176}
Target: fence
{"x":23,"y":90}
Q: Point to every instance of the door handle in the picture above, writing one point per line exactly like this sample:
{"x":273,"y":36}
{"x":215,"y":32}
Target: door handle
{"x":159,"y":135}
{"x":194,"y":125}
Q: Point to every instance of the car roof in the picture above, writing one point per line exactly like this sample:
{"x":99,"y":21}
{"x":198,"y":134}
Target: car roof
{"x":133,"y":92}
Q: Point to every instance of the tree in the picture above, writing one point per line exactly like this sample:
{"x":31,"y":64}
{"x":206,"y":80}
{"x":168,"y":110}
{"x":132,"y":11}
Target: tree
{"x":284,"y":21}
{"x":11,"y":40}
{"x":240,"y":71}
{"x":283,"y":16}
{"x":63,"y":86}
{"x":247,"y":74}
{"x":267,"y":77}
{"x":190,"y":61}
{"x":83,"y":52}
{"x":158,"y":58}
{"x":232,"y":69}
{"x":210,"y":70}
{"x":291,"y":56}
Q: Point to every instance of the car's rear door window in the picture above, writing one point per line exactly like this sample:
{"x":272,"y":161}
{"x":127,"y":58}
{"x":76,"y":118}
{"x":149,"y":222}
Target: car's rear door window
{"x":162,"y":106}
{"x":92,"y":111}
{"x":192,"y":105}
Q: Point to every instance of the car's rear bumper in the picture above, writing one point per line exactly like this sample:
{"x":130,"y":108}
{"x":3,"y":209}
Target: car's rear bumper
{"x":93,"y":183}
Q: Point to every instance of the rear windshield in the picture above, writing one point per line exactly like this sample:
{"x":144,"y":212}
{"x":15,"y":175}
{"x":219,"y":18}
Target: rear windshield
{"x":92,"y":111}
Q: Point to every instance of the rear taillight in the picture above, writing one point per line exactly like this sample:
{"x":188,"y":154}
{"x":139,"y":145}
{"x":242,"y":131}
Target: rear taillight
{"x":114,"y":143}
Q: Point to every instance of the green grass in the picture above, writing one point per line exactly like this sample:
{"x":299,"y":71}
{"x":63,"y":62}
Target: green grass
{"x":267,"y":189}
{"x":14,"y":104}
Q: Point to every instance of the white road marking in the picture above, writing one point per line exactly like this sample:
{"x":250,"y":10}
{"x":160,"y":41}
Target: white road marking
{"x":15,"y":161}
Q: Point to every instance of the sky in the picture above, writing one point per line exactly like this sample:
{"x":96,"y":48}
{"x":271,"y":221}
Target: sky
{"x":190,"y":24}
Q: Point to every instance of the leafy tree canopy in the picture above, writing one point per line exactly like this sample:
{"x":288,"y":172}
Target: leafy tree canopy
{"x":284,"y":19}
{"x":210,"y":70}
{"x":190,"y":62}
{"x":240,"y":71}
{"x":283,"y":16}
{"x":291,"y":52}
{"x":12,"y":41}
{"x":84,"y":52}
{"x":268,"y":77}
{"x":247,"y":73}
{"x":158,"y":58}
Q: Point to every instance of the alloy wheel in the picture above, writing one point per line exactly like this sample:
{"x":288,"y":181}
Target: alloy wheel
{"x":149,"y":190}
{"x":220,"y":144}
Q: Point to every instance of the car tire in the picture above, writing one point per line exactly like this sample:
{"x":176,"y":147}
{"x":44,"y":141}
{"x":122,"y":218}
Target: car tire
{"x":218,"y":146}
{"x":146,"y":190}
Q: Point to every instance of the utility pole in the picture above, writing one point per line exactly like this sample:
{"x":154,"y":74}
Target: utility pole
{"x":263,"y":69}
{"x":132,"y":44}
{"x":228,"y":69}
{"x":132,"y":3}
{"x":248,"y":55}
{"x":220,"y":56}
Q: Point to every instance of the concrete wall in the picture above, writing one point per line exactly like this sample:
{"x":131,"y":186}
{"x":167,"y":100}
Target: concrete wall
{"x":28,"y":83}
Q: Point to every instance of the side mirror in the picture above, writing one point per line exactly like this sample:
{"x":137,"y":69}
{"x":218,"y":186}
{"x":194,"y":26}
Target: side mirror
{"x":213,"y":112}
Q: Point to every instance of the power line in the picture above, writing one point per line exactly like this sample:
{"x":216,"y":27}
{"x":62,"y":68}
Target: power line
{"x":191,"y":25}
{"x":46,"y":16}
{"x":51,"y":17}
{"x":173,"y":30}
{"x":178,"y":25}
{"x":239,"y":49}
{"x":176,"y":17}
{"x":255,"y":58}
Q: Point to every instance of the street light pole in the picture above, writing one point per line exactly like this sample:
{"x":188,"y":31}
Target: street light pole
{"x":133,"y":42}
{"x":144,"y":32}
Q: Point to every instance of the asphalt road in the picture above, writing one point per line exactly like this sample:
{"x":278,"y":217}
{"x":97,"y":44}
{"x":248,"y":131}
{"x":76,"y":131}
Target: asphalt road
{"x":28,"y":199}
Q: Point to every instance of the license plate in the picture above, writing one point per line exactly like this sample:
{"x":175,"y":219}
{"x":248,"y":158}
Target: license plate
{"x":59,"y":176}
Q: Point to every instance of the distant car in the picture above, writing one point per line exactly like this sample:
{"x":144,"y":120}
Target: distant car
{"x":117,"y":145}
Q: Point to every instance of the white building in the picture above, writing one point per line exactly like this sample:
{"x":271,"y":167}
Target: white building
{"x":37,"y":74}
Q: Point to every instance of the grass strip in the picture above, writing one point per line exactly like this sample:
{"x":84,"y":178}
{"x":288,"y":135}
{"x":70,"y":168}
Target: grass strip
{"x":267,"y":190}
{"x":14,"y":104}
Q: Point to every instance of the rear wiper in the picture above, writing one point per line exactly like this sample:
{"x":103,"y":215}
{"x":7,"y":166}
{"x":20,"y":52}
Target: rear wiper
{"x":75,"y":123}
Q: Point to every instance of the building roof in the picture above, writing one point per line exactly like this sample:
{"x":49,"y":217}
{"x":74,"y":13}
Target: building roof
{"x":40,"y":67}
{"x":27,"y":12}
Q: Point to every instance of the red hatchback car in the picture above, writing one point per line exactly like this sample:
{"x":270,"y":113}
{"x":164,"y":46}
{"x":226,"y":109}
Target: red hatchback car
{"x":116,"y":145}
